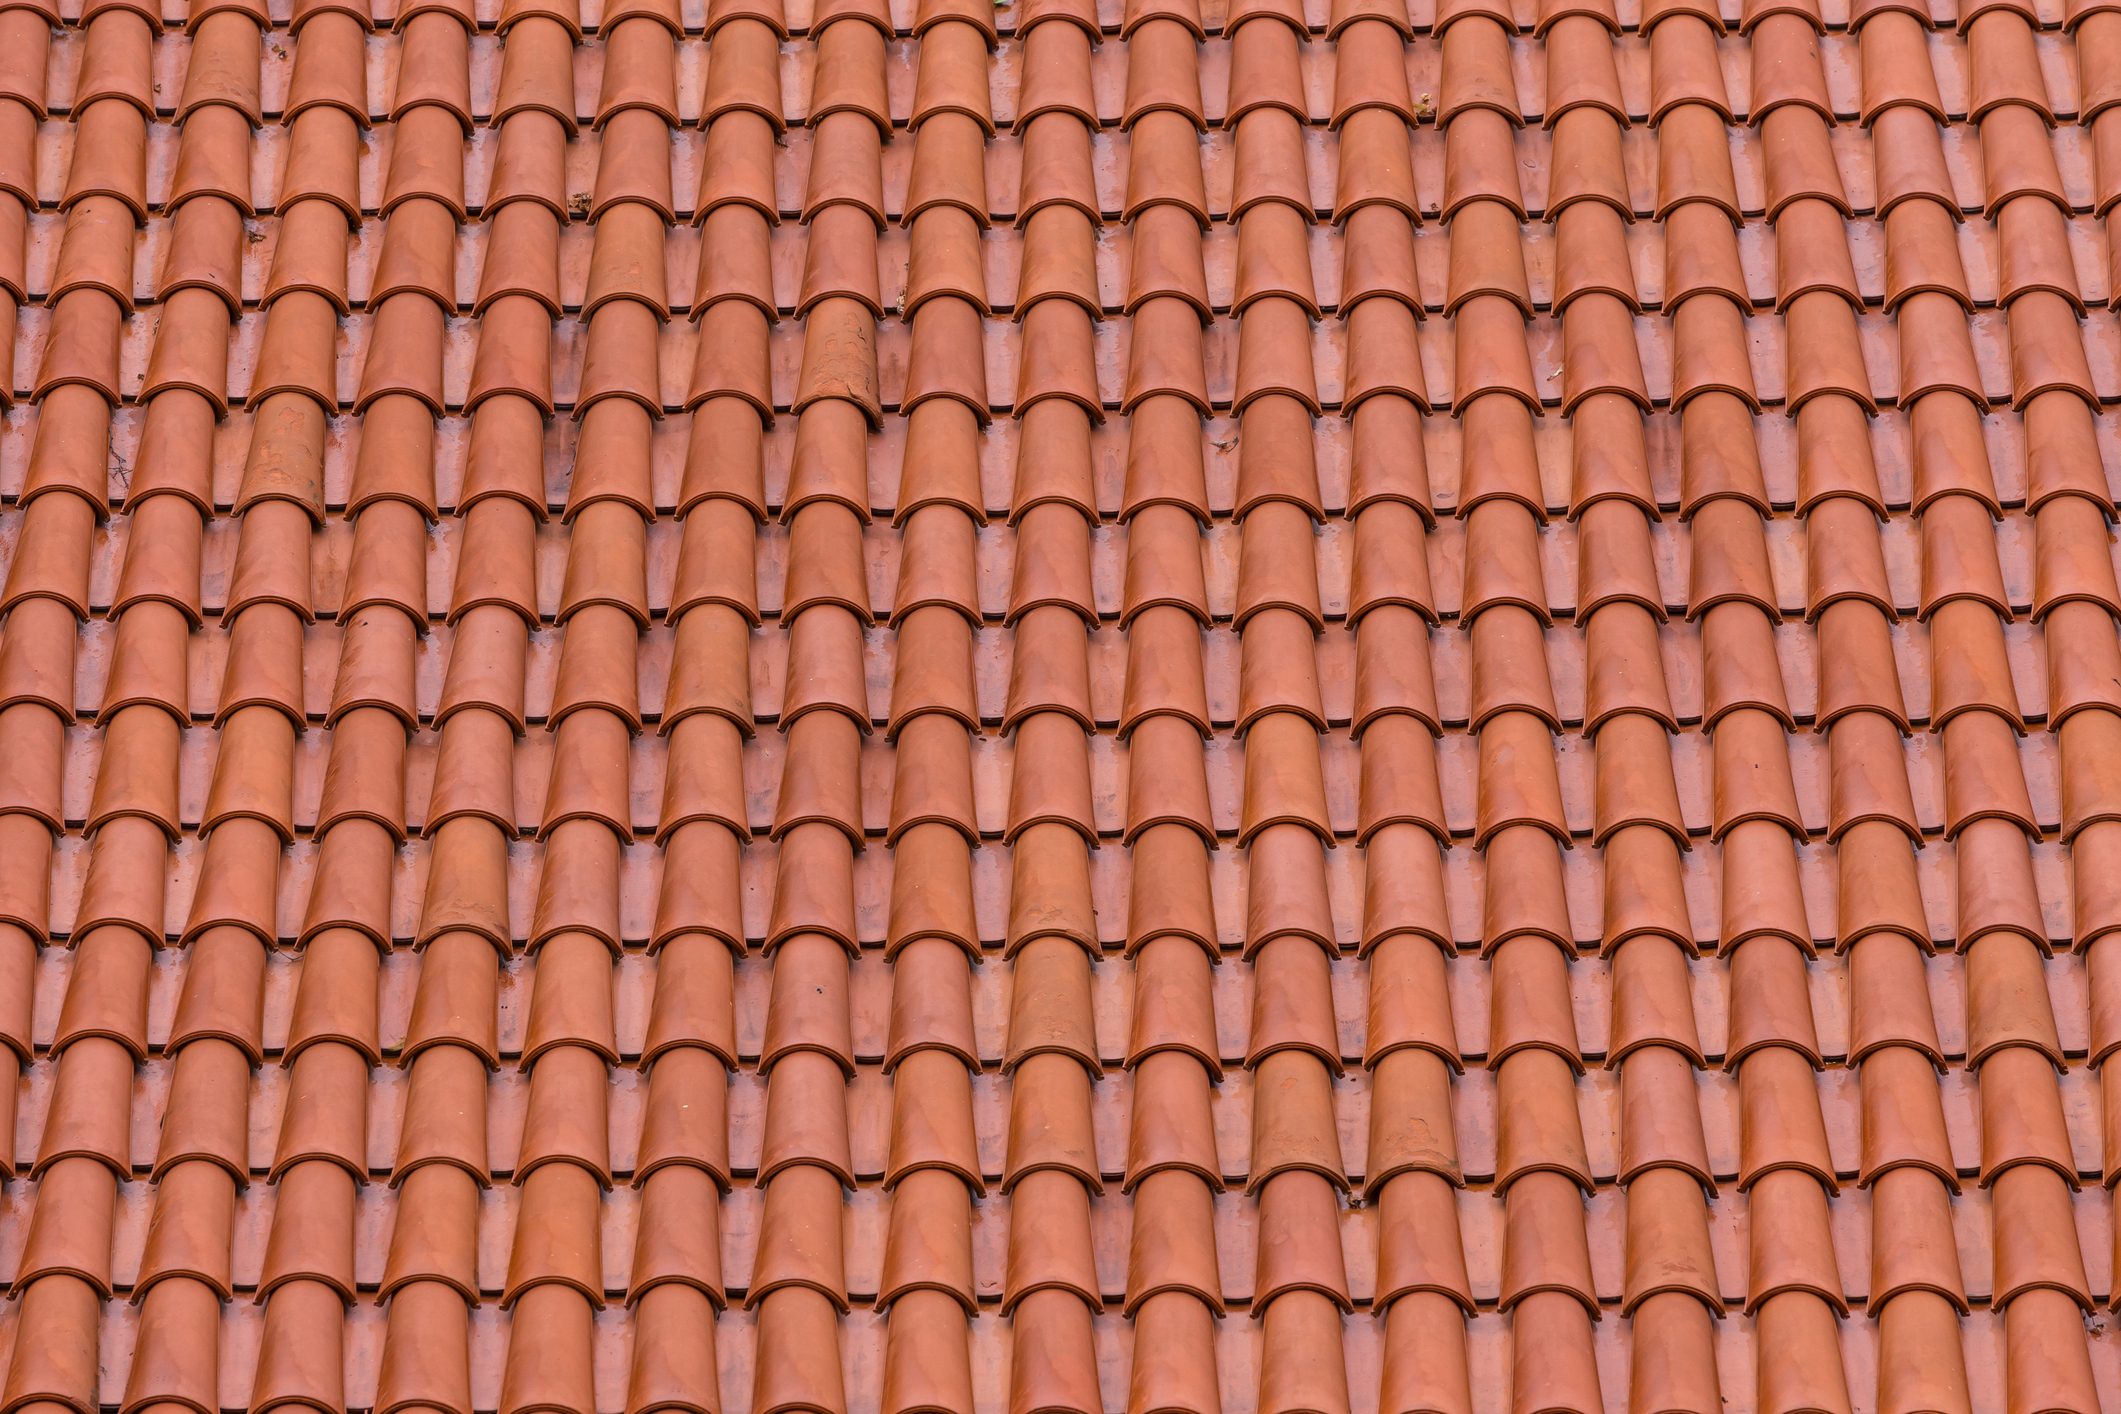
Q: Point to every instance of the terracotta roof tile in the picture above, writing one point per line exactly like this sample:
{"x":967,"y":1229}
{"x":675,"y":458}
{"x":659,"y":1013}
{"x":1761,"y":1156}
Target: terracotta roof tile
{"x":858,"y":706}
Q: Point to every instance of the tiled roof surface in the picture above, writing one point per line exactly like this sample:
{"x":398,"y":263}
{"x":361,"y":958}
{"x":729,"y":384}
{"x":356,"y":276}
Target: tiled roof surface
{"x":713,"y":707}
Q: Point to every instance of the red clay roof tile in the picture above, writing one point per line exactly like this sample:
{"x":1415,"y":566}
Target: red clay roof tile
{"x":1062,"y":707}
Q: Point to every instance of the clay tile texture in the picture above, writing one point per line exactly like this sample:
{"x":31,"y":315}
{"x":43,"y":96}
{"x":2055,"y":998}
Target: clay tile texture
{"x":1060,"y":707}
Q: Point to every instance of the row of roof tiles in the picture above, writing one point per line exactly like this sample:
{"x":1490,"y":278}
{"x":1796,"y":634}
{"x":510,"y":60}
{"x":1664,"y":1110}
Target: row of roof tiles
{"x":1339,"y":847}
